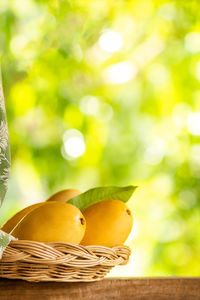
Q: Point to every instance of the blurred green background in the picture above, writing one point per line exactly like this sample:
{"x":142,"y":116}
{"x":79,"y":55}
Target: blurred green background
{"x":108,"y":93}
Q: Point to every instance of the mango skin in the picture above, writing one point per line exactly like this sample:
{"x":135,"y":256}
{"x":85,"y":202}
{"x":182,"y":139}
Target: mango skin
{"x":12,"y":222}
{"x":52,"y":222}
{"x":108,"y":223}
{"x":64,"y":195}
{"x":61,"y":196}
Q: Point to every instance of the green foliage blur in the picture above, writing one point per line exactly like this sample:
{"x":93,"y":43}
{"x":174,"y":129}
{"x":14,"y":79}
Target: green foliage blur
{"x":108,"y":93}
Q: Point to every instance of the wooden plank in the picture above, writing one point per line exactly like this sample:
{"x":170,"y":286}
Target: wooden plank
{"x":112,"y":289}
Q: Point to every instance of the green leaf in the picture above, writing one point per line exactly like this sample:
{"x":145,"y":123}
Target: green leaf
{"x":98,"y":194}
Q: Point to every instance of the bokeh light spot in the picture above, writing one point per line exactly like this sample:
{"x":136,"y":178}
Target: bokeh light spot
{"x":192,"y":42}
{"x":120,"y":72}
{"x":194,"y":123}
{"x":74,"y":145}
{"x":111,"y":41}
{"x":89,"y":105}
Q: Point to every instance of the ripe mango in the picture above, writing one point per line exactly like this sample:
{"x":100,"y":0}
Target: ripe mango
{"x":53,"y":221}
{"x":12,"y":222}
{"x":64,"y":196}
{"x":108,"y":223}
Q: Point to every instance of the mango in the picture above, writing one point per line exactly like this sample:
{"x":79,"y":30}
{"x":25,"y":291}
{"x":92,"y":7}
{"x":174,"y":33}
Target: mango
{"x":108,"y":223}
{"x":64,"y":196}
{"x":12,"y":222}
{"x":54,"y":221}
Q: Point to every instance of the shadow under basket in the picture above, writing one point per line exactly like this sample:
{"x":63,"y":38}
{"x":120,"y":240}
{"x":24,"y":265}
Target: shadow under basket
{"x":59,"y":261}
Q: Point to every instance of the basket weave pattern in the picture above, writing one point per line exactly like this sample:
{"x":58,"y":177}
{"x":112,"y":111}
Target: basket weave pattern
{"x":59,"y":261}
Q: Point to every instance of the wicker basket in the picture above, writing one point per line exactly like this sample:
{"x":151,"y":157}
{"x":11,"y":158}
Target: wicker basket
{"x":59,"y":261}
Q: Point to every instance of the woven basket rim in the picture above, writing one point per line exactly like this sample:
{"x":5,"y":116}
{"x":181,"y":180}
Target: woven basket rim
{"x":54,"y":248}
{"x":17,"y":241}
{"x":60,"y":261}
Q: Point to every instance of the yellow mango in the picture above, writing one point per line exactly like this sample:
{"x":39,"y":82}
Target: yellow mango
{"x":12,"y":222}
{"x":54,"y":221}
{"x":64,"y":196}
{"x":108,"y":223}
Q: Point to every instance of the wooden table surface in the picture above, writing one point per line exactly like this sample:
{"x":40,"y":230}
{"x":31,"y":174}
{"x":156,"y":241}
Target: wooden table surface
{"x":123,"y":289}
